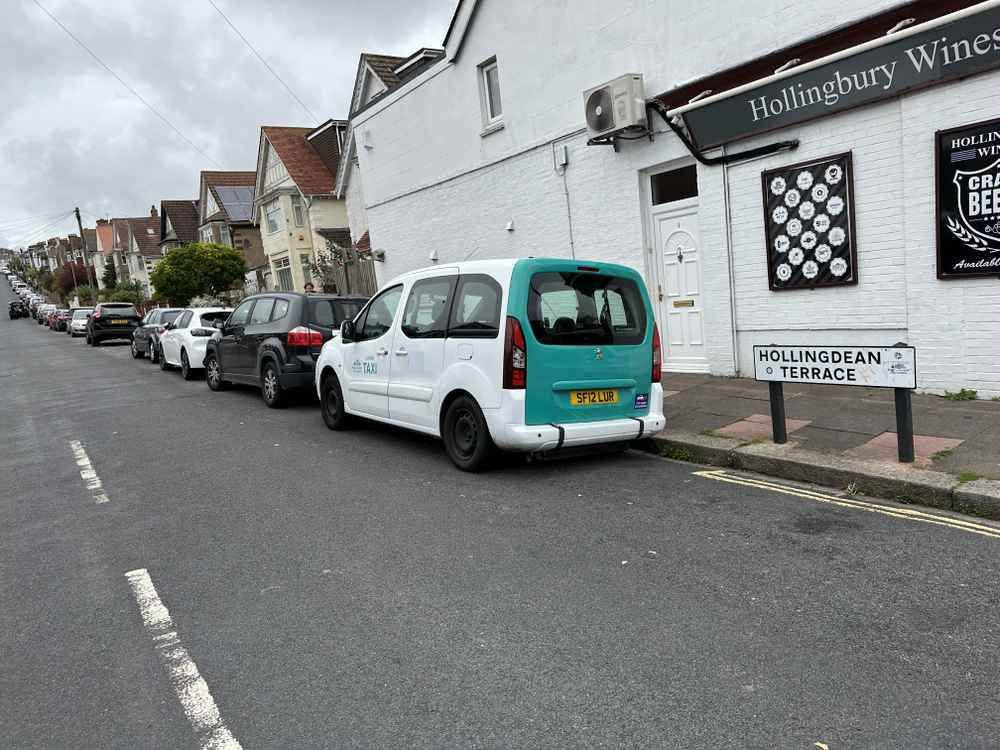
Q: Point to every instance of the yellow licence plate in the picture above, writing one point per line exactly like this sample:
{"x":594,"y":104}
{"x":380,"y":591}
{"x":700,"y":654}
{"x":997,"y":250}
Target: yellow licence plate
{"x":598,"y":397}
{"x":118,"y":322}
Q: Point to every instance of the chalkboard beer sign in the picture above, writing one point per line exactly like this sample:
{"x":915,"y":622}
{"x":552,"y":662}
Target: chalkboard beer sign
{"x":968,"y":201}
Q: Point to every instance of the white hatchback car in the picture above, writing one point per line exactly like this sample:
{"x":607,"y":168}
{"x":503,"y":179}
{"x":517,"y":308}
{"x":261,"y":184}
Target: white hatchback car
{"x":532,"y":355}
{"x":183,"y":342}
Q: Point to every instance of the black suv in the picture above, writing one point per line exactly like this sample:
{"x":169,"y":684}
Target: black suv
{"x":272,"y":341}
{"x":145,"y":338}
{"x":111,"y":320}
{"x":16,"y":309}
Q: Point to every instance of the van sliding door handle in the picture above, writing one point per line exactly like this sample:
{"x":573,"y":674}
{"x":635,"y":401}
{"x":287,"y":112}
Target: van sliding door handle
{"x":401,"y":352}
{"x":382,"y":352}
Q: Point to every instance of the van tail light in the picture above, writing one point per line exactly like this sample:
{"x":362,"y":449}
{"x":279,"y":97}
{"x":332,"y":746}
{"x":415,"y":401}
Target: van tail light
{"x":202,"y":331}
{"x":515,"y":357}
{"x":657,"y":375}
{"x":302,"y":336}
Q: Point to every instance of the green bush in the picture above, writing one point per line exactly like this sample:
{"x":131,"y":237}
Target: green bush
{"x":197,"y":270}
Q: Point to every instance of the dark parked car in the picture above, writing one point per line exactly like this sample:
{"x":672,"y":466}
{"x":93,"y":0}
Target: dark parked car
{"x":145,"y":338}
{"x":16,"y":309}
{"x":111,"y":320}
{"x":272,"y":341}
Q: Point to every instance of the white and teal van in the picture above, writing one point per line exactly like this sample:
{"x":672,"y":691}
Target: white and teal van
{"x":533,"y":355}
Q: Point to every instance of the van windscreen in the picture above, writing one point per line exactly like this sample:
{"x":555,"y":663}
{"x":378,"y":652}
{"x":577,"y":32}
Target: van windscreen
{"x":570,"y":308}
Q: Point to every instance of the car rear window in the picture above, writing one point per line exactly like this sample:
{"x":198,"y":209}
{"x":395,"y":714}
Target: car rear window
{"x":78,"y":314}
{"x":330,"y":313}
{"x":578,"y":308}
{"x":119,"y":310}
{"x":208,"y":319}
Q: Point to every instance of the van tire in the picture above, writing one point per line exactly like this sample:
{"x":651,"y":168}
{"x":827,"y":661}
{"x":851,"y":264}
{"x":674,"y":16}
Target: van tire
{"x":466,"y":435}
{"x":331,"y":404}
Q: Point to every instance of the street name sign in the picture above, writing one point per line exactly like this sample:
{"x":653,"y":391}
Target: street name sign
{"x":872,"y":366}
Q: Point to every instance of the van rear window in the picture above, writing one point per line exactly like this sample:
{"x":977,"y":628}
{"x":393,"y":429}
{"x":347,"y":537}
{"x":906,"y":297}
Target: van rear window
{"x":574,"y":308}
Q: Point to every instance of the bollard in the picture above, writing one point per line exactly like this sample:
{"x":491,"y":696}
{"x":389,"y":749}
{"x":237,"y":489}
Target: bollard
{"x":904,"y":425}
{"x":777,"y":397}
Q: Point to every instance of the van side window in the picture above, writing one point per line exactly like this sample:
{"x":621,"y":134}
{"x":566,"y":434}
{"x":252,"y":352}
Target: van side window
{"x":262,"y":311}
{"x":280,"y":309}
{"x":476,"y":310}
{"x":426,"y":313}
{"x":380,"y":314}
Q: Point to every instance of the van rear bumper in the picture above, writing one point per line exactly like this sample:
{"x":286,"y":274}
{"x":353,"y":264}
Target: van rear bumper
{"x":510,"y":435}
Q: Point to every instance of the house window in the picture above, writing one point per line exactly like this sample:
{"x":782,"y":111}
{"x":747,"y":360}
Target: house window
{"x":297,"y":215}
{"x":272,"y":214}
{"x":283,"y":270}
{"x":206,"y":234}
{"x":489,"y":91}
{"x":675,"y":185}
{"x":306,"y":274}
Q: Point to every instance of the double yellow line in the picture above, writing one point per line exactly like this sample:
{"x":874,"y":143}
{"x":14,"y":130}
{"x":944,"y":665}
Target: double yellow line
{"x":907,"y":514}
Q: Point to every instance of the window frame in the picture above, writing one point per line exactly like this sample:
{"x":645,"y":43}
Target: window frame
{"x":273,"y":205}
{"x":182,"y":320}
{"x":251,"y":321}
{"x":279,"y":301}
{"x":362,"y":319}
{"x":463,"y":279}
{"x":298,"y":211}
{"x":249,"y":303}
{"x":491,"y":119}
{"x":449,"y":301}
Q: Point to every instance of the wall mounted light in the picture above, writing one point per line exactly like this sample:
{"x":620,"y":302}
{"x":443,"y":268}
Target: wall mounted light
{"x":510,"y":226}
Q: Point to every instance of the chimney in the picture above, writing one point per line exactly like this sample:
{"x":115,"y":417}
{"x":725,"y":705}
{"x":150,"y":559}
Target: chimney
{"x":152,"y":213}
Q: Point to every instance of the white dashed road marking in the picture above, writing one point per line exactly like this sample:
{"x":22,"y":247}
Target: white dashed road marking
{"x":87,"y":473}
{"x":191,"y":688}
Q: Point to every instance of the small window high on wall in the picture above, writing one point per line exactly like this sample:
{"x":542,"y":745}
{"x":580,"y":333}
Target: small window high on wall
{"x":674,"y":185}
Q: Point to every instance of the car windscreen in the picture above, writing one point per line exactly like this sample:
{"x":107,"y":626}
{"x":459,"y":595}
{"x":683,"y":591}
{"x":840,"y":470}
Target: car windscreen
{"x":330,"y":313}
{"x":209,"y":319}
{"x":118,"y":310}
{"x":580,"y":308}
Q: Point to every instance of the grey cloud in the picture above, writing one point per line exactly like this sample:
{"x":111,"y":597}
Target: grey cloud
{"x":71,"y":135}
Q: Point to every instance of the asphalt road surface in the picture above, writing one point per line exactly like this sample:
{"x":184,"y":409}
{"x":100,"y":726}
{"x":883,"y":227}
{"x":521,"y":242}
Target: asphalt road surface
{"x":289,"y":587}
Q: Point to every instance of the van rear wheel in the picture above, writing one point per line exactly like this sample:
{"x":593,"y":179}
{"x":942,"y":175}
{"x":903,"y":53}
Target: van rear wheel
{"x":466,"y":435}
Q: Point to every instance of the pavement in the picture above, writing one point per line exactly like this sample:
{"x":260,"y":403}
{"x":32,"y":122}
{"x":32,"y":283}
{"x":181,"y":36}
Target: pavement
{"x":847,"y":431}
{"x":188,"y":569}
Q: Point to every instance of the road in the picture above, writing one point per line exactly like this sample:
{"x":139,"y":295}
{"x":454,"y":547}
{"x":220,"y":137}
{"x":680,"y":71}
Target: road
{"x":353,"y":590}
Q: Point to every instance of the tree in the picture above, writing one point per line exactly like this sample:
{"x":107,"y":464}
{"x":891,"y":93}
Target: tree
{"x":66,"y":283}
{"x":197,"y":269}
{"x":126,"y":291}
{"x":87,"y":294}
{"x":110,"y":276}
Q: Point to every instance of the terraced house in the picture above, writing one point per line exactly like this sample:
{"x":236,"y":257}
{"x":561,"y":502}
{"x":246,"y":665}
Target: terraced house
{"x":296,"y":201}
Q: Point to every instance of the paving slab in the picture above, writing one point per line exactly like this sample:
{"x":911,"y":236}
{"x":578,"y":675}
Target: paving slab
{"x":885,"y":448}
{"x":758,"y":427}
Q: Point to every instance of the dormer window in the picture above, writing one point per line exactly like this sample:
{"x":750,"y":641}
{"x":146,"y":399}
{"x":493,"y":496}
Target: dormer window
{"x":489,"y":96}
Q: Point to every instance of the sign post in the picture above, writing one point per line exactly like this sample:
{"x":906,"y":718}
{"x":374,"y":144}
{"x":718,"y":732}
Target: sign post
{"x":872,"y":366}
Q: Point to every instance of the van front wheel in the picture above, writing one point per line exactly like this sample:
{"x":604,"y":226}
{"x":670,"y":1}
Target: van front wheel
{"x":467,"y":436}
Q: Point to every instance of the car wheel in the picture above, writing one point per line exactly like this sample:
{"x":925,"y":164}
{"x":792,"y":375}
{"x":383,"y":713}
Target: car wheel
{"x":332,"y":404}
{"x":270,"y":387}
{"x":466,"y":435}
{"x":213,"y":373}
{"x":136,"y":354}
{"x":163,"y":363}
{"x":186,"y":372}
{"x":154,"y":353}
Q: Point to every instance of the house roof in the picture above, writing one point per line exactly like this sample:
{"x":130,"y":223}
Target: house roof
{"x":183,"y":217}
{"x":365,"y":243}
{"x":211,"y":180}
{"x":308,"y":170}
{"x":146,"y":232}
{"x":383,"y":66}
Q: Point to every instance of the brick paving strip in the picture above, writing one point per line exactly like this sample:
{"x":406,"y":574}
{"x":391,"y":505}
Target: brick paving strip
{"x":840,"y":437}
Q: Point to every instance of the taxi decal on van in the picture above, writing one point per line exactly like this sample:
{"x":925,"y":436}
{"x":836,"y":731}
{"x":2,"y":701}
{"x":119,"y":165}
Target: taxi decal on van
{"x":367,"y":367}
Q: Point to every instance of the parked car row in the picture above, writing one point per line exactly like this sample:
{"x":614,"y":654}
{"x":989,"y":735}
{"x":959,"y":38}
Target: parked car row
{"x":534,"y":355}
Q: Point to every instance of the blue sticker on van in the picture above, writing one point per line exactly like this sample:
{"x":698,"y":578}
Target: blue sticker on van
{"x":641,"y":400}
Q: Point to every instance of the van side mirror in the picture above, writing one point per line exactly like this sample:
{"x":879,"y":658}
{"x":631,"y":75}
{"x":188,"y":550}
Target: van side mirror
{"x":347,"y":331}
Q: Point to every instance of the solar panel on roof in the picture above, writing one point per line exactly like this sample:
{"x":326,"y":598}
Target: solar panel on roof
{"x":237,"y":201}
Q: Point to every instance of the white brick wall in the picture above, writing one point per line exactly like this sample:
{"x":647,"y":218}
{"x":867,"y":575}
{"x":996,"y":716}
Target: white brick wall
{"x":432,"y":183}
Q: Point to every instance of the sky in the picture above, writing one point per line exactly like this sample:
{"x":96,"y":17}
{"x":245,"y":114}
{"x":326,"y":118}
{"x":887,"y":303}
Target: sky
{"x":72,"y":135}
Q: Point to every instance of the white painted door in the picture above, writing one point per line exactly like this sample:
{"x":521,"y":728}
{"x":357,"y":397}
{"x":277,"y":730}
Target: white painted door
{"x":682,"y":320}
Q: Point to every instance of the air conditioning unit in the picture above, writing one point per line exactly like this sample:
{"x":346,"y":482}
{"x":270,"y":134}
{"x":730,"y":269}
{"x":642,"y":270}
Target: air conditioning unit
{"x":616,"y":106}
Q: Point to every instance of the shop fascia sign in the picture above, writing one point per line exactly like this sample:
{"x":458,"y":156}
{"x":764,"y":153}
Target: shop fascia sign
{"x":949,"y":47}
